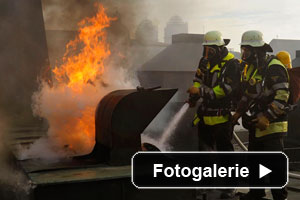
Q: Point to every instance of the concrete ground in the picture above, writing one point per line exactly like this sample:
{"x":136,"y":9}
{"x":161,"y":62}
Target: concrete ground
{"x":293,"y":191}
{"x":26,"y":136}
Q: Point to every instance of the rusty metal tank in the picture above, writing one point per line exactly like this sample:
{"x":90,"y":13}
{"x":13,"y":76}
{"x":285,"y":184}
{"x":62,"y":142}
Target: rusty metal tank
{"x":120,"y":118}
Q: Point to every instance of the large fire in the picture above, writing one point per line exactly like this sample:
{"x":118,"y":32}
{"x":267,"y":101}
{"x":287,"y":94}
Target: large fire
{"x":86,"y":66}
{"x":69,"y":106}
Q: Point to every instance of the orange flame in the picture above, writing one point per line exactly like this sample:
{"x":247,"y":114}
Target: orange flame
{"x":86,"y":65}
{"x":83,"y":64}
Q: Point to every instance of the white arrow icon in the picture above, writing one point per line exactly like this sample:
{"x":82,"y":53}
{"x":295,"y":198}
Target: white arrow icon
{"x":263,"y":171}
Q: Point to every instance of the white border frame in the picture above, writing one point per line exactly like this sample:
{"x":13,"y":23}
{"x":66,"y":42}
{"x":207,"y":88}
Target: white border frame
{"x":214,"y":152}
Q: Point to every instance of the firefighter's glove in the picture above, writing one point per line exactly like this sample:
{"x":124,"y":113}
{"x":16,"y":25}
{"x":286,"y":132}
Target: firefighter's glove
{"x":194,"y":95}
{"x":194,"y":91}
{"x":192,"y":103}
{"x":235,"y":118}
{"x":262,"y":122}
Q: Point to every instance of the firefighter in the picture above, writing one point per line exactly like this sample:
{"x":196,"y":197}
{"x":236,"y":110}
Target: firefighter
{"x":215,"y":81}
{"x":265,"y":83}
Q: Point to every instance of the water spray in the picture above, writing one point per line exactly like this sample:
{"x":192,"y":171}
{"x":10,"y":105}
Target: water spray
{"x":170,"y":129}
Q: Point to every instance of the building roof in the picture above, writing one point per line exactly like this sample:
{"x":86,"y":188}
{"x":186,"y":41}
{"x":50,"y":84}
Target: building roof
{"x":285,"y":45}
{"x":296,"y":61}
{"x":183,"y":55}
{"x":175,"y":20}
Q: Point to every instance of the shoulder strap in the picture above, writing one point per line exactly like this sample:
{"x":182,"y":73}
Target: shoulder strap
{"x":275,"y":61}
{"x":227,"y":59}
{"x":270,"y":58}
{"x":226,"y":65}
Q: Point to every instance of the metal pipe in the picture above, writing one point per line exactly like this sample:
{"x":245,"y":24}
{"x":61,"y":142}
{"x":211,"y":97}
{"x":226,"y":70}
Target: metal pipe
{"x":240,"y":143}
{"x":294,"y":175}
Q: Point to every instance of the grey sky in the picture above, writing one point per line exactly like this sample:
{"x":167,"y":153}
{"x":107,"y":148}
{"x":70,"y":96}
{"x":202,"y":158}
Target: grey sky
{"x":232,"y":17}
{"x":275,"y":18}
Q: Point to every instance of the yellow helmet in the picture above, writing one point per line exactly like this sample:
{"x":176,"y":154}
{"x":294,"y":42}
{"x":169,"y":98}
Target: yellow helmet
{"x":285,"y":58}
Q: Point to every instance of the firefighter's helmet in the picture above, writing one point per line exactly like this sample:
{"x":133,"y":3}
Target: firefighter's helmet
{"x":253,"y":39}
{"x":213,"y":38}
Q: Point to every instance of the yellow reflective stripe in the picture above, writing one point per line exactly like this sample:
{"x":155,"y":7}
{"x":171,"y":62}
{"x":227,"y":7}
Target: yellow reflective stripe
{"x":213,"y":120}
{"x":276,"y":127}
{"x":196,"y":120}
{"x":282,"y":95}
{"x":249,"y":71}
{"x":258,"y":77}
{"x":245,"y":72}
{"x":208,"y":66}
{"x":229,"y":56}
{"x":219,"y":92}
{"x":276,"y":62}
{"x":197,"y":84}
{"x":217,"y":67}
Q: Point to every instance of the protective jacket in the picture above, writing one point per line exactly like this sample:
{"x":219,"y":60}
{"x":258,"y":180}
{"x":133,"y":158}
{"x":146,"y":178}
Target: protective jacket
{"x":218,"y":79}
{"x":266,"y":92}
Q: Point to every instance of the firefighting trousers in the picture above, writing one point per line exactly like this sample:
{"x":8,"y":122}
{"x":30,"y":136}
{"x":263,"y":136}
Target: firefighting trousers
{"x":267,"y":144}
{"x":216,"y":137}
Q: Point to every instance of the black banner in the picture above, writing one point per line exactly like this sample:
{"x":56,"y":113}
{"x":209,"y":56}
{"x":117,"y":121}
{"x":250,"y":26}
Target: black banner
{"x":210,"y":170}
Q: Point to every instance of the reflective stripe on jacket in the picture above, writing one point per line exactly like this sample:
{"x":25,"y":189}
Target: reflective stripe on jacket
{"x":274,"y":87}
{"x":217,"y":91}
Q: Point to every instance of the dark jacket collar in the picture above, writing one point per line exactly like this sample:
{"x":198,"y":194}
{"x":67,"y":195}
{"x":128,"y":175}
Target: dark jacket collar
{"x":217,"y":59}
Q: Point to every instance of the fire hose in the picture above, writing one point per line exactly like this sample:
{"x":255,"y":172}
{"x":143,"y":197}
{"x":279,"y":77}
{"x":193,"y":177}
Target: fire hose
{"x":241,"y":144}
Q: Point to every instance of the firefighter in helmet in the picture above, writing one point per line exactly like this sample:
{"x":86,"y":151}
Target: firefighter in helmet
{"x":215,"y":81}
{"x":265,"y":86}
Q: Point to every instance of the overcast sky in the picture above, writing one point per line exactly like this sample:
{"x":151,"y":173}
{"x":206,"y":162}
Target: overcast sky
{"x":275,"y":18}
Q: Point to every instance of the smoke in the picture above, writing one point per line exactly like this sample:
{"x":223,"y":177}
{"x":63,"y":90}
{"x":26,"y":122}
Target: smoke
{"x":91,"y":69}
{"x":13,"y":183}
{"x":64,"y":15}
{"x":71,"y":116}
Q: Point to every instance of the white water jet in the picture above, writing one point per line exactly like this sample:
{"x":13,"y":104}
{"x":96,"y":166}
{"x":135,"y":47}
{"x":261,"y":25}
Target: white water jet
{"x":170,"y":129}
